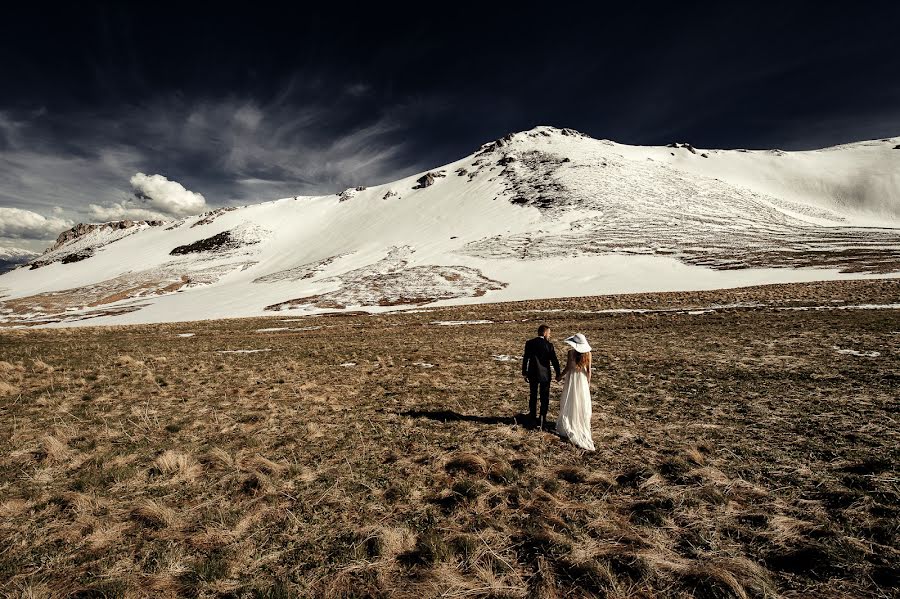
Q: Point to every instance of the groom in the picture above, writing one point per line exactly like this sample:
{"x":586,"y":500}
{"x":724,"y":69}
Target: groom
{"x":539,"y":355}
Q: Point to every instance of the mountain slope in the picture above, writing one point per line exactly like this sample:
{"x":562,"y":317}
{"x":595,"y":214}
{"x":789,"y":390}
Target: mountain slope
{"x":543,"y":213}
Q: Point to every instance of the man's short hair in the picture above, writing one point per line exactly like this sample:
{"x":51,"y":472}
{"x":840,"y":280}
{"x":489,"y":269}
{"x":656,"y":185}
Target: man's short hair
{"x":542,"y":329}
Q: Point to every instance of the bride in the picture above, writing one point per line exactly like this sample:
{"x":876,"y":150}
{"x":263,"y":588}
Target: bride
{"x":574,"y":421}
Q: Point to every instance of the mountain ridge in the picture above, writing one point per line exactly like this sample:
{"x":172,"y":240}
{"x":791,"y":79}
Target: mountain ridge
{"x":541,"y":213}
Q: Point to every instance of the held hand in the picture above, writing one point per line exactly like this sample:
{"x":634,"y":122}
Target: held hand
{"x":525,"y":376}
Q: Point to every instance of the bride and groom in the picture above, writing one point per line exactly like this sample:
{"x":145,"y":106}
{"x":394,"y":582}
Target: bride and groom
{"x":574,"y":420}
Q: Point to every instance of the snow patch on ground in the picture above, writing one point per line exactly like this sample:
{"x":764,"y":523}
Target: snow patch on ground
{"x":506,"y":358}
{"x":853,"y":352}
{"x":857,"y":307}
{"x":458,"y":323}
{"x":277,"y":329}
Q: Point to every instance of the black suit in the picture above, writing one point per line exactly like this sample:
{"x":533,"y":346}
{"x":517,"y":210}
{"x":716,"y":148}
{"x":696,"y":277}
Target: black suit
{"x":537,"y":359}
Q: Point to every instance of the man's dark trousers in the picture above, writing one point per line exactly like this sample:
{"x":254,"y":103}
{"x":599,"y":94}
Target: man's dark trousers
{"x":544,"y":388}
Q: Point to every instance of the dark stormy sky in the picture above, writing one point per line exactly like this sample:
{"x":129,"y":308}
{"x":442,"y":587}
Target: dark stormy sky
{"x":254,"y":102}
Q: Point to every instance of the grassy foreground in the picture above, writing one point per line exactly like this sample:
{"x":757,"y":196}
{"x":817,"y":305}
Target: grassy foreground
{"x":741,"y":452}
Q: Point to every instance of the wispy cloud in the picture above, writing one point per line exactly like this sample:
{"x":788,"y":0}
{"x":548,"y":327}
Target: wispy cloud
{"x":88,"y":166}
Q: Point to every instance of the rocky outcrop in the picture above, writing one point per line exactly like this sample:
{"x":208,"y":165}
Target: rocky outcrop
{"x":350,"y":192}
{"x":208,"y":217}
{"x":219,"y":242}
{"x":496,"y":144}
{"x":82,"y":229}
{"x":537,"y":132}
{"x":685,"y":146}
{"x":427,"y":180}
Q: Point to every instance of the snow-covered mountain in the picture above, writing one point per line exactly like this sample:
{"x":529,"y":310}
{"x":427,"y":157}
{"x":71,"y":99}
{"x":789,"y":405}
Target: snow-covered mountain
{"x":542,"y":213}
{"x":13,"y":257}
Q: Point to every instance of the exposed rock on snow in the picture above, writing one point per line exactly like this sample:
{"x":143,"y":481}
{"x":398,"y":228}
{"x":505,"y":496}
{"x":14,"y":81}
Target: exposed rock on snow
{"x":686,"y":146}
{"x":427,"y":180}
{"x":84,"y":239}
{"x":219,"y":241}
{"x":208,"y":217}
{"x":82,"y":229}
{"x":392,"y":282}
{"x":222,"y":242}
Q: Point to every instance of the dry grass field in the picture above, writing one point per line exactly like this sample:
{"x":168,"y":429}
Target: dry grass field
{"x":745,"y":448}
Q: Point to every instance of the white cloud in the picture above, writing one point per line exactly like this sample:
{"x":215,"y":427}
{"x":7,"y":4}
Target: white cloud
{"x":168,"y":197}
{"x":155,"y":198}
{"x":123,"y":211}
{"x":16,"y":223}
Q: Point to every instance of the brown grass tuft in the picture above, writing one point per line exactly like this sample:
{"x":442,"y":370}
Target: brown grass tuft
{"x":218,"y":457}
{"x":126,"y":361}
{"x":736,"y":578}
{"x":52,"y":449}
{"x":265,"y":465}
{"x":542,"y":584}
{"x":39,"y":365}
{"x":153,"y":515}
{"x":466,"y":462}
{"x":175,"y":464}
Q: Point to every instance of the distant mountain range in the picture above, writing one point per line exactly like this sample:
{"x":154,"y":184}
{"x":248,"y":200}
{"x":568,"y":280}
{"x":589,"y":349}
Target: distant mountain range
{"x":13,"y":257}
{"x":542,"y":213}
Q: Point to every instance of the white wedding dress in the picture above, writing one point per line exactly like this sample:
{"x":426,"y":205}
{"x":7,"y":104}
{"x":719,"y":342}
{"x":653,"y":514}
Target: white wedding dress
{"x":574,"y":421}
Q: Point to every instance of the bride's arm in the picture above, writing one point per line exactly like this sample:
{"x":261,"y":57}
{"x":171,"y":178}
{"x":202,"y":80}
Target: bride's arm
{"x":568,"y":363}
{"x":589,"y":368}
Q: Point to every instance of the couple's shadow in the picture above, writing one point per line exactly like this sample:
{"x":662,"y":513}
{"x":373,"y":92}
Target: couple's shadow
{"x":523,"y":420}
